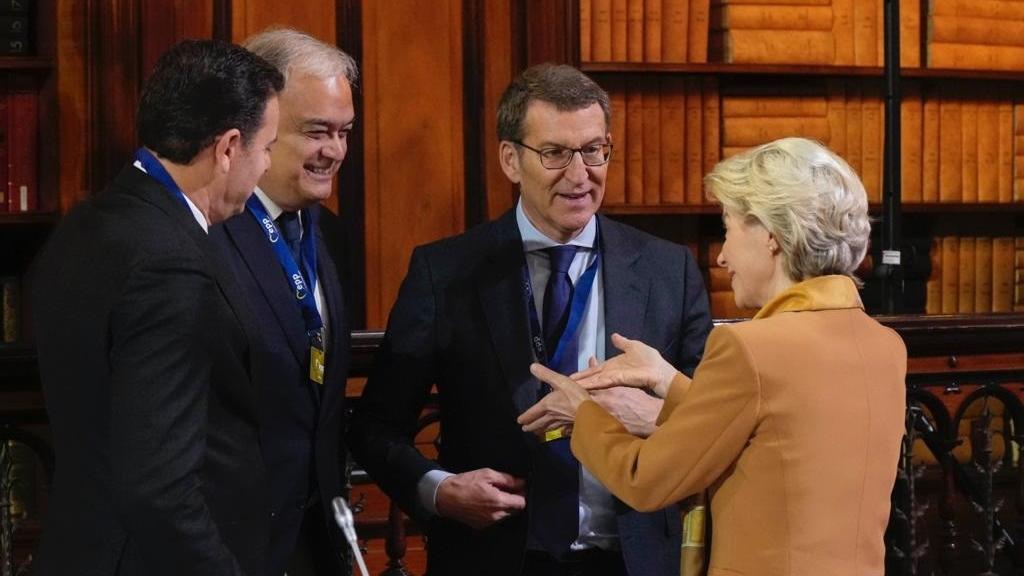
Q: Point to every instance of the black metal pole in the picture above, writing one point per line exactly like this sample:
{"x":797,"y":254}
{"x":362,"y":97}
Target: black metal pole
{"x":890,"y":268}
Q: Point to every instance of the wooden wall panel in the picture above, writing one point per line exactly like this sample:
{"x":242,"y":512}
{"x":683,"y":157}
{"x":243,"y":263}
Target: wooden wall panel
{"x":500,"y":64}
{"x":73,"y":108}
{"x":314,"y":17}
{"x":413,"y":117}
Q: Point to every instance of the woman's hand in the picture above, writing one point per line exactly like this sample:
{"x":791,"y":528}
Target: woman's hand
{"x":639,"y":366}
{"x":557,"y":409}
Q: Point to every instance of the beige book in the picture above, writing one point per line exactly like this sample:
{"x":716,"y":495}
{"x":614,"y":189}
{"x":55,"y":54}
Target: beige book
{"x":774,"y":46}
{"x":983,"y":274}
{"x":998,"y":9}
{"x":910,"y":33}
{"x":950,"y":150}
{"x":844,"y":31}
{"x":988,"y":151}
{"x":1002,"y":274}
{"x":969,"y":151}
{"x":950,"y":274}
{"x":871,"y":148}
{"x":673,"y":140}
{"x":910,"y":144}
{"x":694,"y":141}
{"x":973,"y":30}
{"x":754,"y":17}
{"x":675,"y":16}
{"x":930,"y":148}
{"x":933,"y":298}
{"x":975,"y":56}
{"x":965,"y":300}
{"x":756,"y":131}
{"x":1005,"y":163}
{"x":865,"y":35}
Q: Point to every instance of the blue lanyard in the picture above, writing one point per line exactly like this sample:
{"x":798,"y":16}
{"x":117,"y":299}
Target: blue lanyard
{"x":580,"y":295}
{"x":154,"y":168}
{"x":307,"y":250}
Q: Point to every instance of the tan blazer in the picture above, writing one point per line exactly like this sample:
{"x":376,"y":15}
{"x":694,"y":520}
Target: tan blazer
{"x":794,"y":420}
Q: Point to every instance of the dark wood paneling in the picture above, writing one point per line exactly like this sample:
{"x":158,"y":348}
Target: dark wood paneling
{"x":552,"y":31}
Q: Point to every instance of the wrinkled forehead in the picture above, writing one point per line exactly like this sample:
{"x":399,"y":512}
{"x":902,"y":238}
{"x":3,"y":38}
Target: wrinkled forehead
{"x":547,"y":124}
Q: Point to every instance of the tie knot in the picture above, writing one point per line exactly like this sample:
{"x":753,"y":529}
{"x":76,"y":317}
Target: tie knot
{"x":289,"y":224}
{"x":561,"y":258}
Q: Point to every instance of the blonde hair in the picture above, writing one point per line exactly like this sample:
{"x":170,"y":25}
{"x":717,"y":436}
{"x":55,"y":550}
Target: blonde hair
{"x":806,"y":196}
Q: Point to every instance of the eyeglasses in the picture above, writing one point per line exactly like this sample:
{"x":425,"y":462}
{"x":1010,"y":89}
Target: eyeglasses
{"x":557,"y":157}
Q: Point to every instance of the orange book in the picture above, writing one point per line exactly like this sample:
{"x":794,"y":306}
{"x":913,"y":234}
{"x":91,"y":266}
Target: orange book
{"x":694,"y":136}
{"x":930,"y":148}
{"x":910,"y":33}
{"x":719,"y":280}
{"x":871,"y":148}
{"x":1018,"y":275}
{"x":910,"y":144}
{"x":634,"y":143}
{"x":761,"y":106}
{"x":836,"y":115}
{"x":854,"y":128}
{"x":975,"y":56}
{"x":730,"y":151}
{"x":950,"y":152}
{"x":755,"y":131}
{"x":675,"y":15}
{"x":998,"y":9}
{"x":1018,"y":152}
{"x":697,"y":30}
{"x":844,"y":31}
{"x":1002,"y":274}
{"x":972,"y":30}
{"x":865,"y":36}
{"x":585,"y":28}
{"x":652,"y":30}
{"x":1005,"y":162}
{"x":982,"y":274}
{"x":673,"y":139}
{"x":988,"y":151}
{"x":619,"y":31}
{"x":774,"y":46}
{"x":778,"y":2}
{"x":601,"y":30}
{"x":933,"y":300}
{"x":880,"y":31}
{"x":965,"y":300}
{"x":712,"y":127}
{"x":652,"y":143}
{"x":723,"y":305}
{"x":780,"y":17}
{"x":635,"y":34}
{"x":950,"y":274}
{"x":969,"y":151}
{"x":615,"y":191}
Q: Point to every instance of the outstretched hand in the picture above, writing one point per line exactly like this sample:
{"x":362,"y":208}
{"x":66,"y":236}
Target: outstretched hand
{"x":557,"y":409}
{"x":639,"y":366}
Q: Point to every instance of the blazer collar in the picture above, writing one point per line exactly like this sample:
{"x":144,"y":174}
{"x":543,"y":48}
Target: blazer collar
{"x":626,"y":287}
{"x":832,"y":292}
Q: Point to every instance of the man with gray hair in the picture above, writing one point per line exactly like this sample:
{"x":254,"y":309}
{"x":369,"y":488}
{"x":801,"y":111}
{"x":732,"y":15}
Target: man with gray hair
{"x":278,"y":254}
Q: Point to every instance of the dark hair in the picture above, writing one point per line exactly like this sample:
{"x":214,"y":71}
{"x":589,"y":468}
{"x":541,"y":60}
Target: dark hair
{"x":200,"y":89}
{"x":563,"y":86}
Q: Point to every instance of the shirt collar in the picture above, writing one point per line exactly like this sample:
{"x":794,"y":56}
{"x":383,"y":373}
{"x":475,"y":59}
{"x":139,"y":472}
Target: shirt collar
{"x":196,"y":212}
{"x":833,"y":292}
{"x":534,"y":239}
{"x":273,"y":210}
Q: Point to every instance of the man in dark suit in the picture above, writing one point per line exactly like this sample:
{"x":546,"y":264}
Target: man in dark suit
{"x":144,"y":346}
{"x":549,"y":281}
{"x":302,"y":356}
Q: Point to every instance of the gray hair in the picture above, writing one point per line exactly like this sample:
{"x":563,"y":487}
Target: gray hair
{"x":289,"y":51}
{"x":806,"y":196}
{"x":563,"y":86}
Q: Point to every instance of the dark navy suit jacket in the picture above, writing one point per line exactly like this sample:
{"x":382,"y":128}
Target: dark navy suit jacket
{"x":300,"y":427}
{"x":461,"y":323}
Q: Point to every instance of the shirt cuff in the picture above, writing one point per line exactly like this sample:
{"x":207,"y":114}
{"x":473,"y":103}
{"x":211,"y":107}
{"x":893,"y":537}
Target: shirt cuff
{"x":426,"y":489}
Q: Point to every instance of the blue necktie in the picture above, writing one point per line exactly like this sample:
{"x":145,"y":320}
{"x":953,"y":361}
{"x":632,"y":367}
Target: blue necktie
{"x":291,"y":231}
{"x":554,"y":516}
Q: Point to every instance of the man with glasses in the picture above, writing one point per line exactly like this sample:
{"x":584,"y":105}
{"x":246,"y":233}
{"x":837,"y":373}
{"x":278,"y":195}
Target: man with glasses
{"x":550,"y":282}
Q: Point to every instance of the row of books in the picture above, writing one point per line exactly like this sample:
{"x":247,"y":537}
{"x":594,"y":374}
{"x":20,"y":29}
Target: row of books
{"x":975,"y":34}
{"x":16,"y":27}
{"x":719,"y":284}
{"x":19,"y":141}
{"x":10,"y":310}
{"x":644,"y":30}
{"x":973,"y":275}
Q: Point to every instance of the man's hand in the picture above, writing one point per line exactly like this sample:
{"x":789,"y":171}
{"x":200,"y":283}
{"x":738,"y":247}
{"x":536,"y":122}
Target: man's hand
{"x":481,"y":497}
{"x":639,"y":366}
{"x":634,"y":408}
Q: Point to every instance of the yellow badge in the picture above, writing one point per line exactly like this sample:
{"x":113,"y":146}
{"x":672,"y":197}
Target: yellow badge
{"x":316,"y":365}
{"x":556,"y":434}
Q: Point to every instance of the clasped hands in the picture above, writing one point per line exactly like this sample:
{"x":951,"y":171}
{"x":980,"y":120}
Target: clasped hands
{"x":618,"y":384}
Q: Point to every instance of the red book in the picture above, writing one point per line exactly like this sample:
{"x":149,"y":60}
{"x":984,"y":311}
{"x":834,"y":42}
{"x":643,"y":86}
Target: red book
{"x":22,"y":144}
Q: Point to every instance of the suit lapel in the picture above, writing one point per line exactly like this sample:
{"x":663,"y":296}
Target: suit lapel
{"x":251,"y":242}
{"x":626,"y":289}
{"x":504,"y":306}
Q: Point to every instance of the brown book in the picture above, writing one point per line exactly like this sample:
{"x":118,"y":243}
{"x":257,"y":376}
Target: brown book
{"x":836,"y":114}
{"x":950,"y":150}
{"x":774,"y":46}
{"x":950,"y":274}
{"x":1005,"y":162}
{"x":673,"y":140}
{"x":652,"y":30}
{"x":879,"y":31}
{"x":634,"y":143}
{"x":601,"y":30}
{"x":1018,"y":152}
{"x":930,"y":148}
{"x":969,"y":151}
{"x":709,"y":257}
{"x":675,"y":15}
{"x":694,"y":142}
{"x":756,"y":131}
{"x":910,"y":33}
{"x":975,"y":56}
{"x":1018,"y":275}
{"x":635,"y":34}
{"x":652,"y":142}
{"x":730,"y":151}
{"x":697,"y":30}
{"x":871,"y":147}
{"x":844,"y":31}
{"x":988,"y":151}
{"x":22,"y":149}
{"x":781,"y":17}
{"x":615,"y":191}
{"x":620,"y":38}
{"x":711,"y":125}
{"x":719,"y":280}
{"x":723,"y":305}
{"x":854,"y":128}
{"x":761,"y":106}
{"x":585,"y":29}
{"x":866,"y":28}
{"x":778,"y":2}
{"x":1002,"y":274}
{"x":965,"y":300}
{"x":973,"y":30}
{"x":910,"y":144}
{"x":998,"y":9}
{"x":983,"y":274}
{"x":10,"y":300}
{"x":933,"y":301}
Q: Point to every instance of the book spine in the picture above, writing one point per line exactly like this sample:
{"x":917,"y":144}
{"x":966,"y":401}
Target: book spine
{"x":697,"y":30}
{"x":619,"y":31}
{"x":634,"y":143}
{"x":982,"y":275}
{"x":615,"y":192}
{"x":652,"y":30}
{"x":969,"y":152}
{"x":675,"y":16}
{"x":673,"y":140}
{"x":910,"y":144}
{"x":694,"y":176}
{"x":652,"y":143}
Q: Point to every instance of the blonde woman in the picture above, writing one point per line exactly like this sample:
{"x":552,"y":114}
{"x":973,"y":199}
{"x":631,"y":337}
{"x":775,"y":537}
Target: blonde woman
{"x":793,"y":419}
